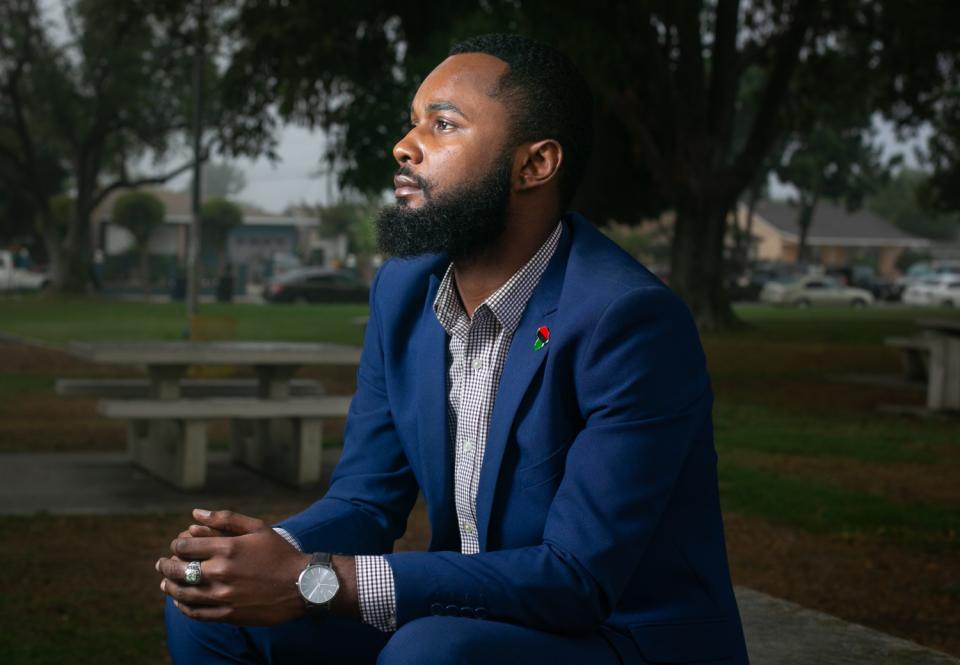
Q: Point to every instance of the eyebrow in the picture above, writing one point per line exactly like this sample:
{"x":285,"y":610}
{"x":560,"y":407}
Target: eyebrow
{"x":433,"y":107}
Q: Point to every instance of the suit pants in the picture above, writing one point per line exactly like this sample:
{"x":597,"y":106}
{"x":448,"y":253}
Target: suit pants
{"x":426,"y":641}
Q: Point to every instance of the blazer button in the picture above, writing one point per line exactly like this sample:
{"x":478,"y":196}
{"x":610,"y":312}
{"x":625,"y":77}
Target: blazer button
{"x":452,"y":610}
{"x":436,"y":608}
{"x":467,"y":612}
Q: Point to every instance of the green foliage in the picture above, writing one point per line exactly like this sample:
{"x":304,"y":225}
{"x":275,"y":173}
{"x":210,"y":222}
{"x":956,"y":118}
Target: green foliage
{"x":356,"y":220}
{"x":217,"y":217}
{"x":110,"y":86}
{"x":140,"y":213}
{"x":901,"y":201}
{"x":942,"y":191}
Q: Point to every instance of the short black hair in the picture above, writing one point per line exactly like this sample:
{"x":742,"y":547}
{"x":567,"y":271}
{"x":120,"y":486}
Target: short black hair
{"x":547,"y":97}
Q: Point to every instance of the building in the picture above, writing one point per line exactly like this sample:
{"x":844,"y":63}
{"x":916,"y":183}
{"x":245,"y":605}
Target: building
{"x":836,"y":237}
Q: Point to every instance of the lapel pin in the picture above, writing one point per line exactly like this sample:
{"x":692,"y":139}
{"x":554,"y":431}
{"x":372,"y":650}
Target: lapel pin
{"x":543,"y":336}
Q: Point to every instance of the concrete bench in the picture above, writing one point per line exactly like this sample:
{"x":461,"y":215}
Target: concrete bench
{"x":192,"y":388}
{"x":286,"y":442}
{"x":916,"y":355}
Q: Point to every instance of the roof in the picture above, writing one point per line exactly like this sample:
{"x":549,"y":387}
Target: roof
{"x":177,"y":206}
{"x":835,"y":225}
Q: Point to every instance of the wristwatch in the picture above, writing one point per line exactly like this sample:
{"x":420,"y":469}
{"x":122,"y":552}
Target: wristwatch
{"x":318,"y":584}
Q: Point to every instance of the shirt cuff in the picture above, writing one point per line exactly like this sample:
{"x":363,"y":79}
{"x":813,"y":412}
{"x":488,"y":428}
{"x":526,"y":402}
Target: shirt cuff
{"x":287,"y":536}
{"x":376,"y":593}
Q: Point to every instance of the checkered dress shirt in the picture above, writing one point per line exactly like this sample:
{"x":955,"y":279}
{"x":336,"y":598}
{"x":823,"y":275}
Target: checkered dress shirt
{"x":478,"y":350}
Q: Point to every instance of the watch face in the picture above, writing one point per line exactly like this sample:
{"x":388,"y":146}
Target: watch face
{"x":318,"y":584}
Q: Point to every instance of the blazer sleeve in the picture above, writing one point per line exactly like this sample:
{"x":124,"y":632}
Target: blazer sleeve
{"x":644,"y":393}
{"x":373,"y":489}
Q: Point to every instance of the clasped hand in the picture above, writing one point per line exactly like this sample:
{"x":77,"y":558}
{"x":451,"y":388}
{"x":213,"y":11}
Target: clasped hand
{"x":248,"y":571}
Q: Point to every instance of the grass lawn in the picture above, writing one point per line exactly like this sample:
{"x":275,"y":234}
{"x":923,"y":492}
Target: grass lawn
{"x":828,"y":502}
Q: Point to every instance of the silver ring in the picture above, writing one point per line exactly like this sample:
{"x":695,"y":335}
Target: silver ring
{"x":193,"y":575}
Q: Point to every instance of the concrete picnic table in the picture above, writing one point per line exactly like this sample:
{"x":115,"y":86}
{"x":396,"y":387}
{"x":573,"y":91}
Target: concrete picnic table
{"x":167,"y":362}
{"x":160,"y":444}
{"x":942,"y":337}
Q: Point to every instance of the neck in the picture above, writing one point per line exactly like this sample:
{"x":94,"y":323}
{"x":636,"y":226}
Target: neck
{"x":480,"y":276}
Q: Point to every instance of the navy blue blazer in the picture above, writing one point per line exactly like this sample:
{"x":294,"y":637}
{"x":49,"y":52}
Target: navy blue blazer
{"x":597,"y":505}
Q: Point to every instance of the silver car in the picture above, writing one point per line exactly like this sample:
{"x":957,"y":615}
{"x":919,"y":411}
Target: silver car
{"x":816,"y":290}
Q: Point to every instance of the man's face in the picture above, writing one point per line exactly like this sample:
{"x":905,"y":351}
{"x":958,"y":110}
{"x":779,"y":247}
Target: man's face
{"x":453,"y":184}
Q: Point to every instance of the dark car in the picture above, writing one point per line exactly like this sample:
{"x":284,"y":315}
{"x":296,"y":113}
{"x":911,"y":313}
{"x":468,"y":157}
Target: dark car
{"x":864,"y":277}
{"x":304,"y":285}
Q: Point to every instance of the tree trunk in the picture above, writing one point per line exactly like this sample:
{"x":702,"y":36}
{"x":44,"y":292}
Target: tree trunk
{"x":804,"y":219}
{"x":751,"y":210}
{"x":53,"y":244}
{"x":77,"y":266}
{"x":696,"y":266}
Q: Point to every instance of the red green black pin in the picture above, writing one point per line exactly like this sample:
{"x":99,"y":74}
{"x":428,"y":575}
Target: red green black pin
{"x":543,"y":336}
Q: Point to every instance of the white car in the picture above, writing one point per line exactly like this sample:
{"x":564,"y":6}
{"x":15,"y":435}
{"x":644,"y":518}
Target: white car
{"x":942,"y":290}
{"x":919,"y":272}
{"x":815,"y":290}
{"x":13,"y":278}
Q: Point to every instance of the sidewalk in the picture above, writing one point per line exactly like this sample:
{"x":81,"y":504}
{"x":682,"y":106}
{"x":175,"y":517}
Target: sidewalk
{"x":778,"y":632}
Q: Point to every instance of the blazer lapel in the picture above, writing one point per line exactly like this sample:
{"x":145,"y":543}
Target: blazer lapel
{"x":522,"y":364}
{"x":431,"y":369}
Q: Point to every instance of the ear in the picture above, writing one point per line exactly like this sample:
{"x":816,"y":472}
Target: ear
{"x":538,"y":164}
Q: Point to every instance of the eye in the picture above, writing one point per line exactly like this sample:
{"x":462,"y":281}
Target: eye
{"x":443,"y":125}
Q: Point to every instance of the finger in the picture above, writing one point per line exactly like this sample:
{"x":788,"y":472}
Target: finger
{"x":200,"y":531}
{"x":198,"y":549}
{"x":203,"y":613}
{"x":173,"y":568}
{"x":227,"y":520}
{"x":194,"y":596}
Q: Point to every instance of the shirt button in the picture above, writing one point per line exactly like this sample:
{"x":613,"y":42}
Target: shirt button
{"x":468,"y":528}
{"x":468,"y":445}
{"x":477,"y":363}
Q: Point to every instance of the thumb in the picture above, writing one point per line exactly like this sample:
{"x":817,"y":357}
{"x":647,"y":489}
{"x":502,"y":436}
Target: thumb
{"x":227,"y":520}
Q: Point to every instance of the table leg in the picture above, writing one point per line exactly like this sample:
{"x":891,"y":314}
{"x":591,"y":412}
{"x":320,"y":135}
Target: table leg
{"x":171,"y":450}
{"x":943,"y":393}
{"x":287,"y":450}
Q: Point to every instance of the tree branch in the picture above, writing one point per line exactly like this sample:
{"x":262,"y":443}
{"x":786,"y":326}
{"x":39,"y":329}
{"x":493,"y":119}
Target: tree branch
{"x":691,"y":73}
{"x":724,"y":74}
{"x":124,"y":182}
{"x":766,"y":121}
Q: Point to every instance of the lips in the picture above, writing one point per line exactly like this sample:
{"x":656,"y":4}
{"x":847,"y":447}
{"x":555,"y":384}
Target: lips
{"x":405,"y":186}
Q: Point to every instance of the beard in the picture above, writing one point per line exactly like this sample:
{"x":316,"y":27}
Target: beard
{"x":465,"y":222}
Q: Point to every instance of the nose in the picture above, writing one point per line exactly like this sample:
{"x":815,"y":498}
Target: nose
{"x":407,"y":149}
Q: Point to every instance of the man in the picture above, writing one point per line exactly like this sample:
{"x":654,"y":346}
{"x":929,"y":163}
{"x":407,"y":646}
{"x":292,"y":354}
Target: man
{"x":545,"y":393}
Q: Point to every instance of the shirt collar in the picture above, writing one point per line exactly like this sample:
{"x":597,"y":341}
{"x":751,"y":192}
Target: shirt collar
{"x":506,"y":303}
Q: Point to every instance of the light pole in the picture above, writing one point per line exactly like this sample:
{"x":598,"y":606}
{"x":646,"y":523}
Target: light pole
{"x":193,"y":245}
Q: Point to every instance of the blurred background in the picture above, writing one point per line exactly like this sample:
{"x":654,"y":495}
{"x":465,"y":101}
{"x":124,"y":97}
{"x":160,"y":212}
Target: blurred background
{"x":211,"y":169}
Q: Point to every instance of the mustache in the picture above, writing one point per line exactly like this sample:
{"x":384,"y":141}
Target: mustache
{"x":421,"y":181}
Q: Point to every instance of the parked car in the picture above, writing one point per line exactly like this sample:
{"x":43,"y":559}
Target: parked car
{"x":864,"y":277}
{"x":815,"y":290}
{"x":747,"y":286}
{"x":939,"y":290}
{"x":16,"y":278}
{"x":924,"y":270}
{"x":304,"y":285}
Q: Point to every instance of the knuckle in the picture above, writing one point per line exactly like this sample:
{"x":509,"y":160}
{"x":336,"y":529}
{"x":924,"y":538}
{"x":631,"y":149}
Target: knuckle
{"x":213,"y":568}
{"x":224,"y":515}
